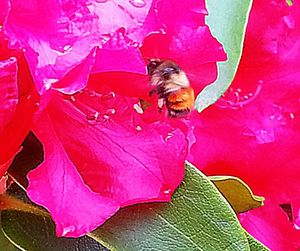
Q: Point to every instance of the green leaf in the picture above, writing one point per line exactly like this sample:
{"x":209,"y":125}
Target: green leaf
{"x":255,"y":245}
{"x":34,"y":232}
{"x":227,"y":20}
{"x":198,"y":218}
{"x":5,"y":244}
{"x":237,"y":193}
{"x":37,"y":233}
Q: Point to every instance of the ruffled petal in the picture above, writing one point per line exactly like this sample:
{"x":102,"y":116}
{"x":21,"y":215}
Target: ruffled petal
{"x":174,"y":14}
{"x":19,"y":101}
{"x":59,"y":36}
{"x":271,"y":226}
{"x":101,"y":138}
{"x":194,"y":49}
{"x":57,"y":185}
{"x":119,"y":53}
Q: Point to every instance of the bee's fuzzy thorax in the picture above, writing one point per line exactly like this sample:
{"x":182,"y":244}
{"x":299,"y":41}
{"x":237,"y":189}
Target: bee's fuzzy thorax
{"x":172,"y":86}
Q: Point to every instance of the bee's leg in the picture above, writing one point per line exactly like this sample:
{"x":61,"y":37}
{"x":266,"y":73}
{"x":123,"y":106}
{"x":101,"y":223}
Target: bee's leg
{"x":160,"y":104}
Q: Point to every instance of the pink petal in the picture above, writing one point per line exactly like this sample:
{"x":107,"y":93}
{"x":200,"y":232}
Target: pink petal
{"x":271,"y":226}
{"x":132,"y":15}
{"x":8,"y":90}
{"x":78,"y":76}
{"x":3,"y":168}
{"x":174,"y":13}
{"x":194,"y":49}
{"x":4,"y":6}
{"x":119,"y":54}
{"x":57,"y":185}
{"x":59,"y":36}
{"x":102,"y":140}
{"x":272,"y":47}
{"x":196,"y":44}
{"x":19,"y":99}
{"x":124,"y":83}
{"x":56,"y":37}
{"x":3,"y":182}
{"x":269,"y":142}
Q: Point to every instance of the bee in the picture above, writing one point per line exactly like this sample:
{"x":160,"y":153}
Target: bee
{"x":172,"y":87}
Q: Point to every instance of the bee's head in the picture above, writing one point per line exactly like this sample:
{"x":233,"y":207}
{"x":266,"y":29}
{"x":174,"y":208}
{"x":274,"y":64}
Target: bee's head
{"x":163,"y":68}
{"x":168,"y":71}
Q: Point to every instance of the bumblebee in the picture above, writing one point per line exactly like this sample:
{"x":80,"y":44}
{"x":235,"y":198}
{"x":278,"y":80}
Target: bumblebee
{"x":172,"y":87}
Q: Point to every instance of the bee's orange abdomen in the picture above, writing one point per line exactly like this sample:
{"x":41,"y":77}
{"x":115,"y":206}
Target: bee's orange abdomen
{"x":181,"y":102}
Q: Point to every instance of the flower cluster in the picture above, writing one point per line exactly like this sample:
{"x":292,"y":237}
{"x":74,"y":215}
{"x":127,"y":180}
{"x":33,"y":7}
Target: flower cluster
{"x":74,"y":73}
{"x":88,"y":62}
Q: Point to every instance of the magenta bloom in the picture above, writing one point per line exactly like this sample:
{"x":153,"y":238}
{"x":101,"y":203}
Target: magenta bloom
{"x":63,"y":39}
{"x":18,"y":99}
{"x":253,"y":131}
{"x":87,"y":59}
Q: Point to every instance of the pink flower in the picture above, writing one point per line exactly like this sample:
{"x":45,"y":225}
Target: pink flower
{"x":18,"y":103}
{"x":269,"y":224}
{"x":253,"y":131}
{"x":86,"y":59}
{"x":64,"y":39}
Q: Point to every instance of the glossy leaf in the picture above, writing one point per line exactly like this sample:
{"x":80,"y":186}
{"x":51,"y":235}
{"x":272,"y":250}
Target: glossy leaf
{"x":198,"y":218}
{"x":5,"y":244}
{"x":195,"y":220}
{"x":237,"y":193}
{"x":35,"y":232}
{"x":227,"y":20}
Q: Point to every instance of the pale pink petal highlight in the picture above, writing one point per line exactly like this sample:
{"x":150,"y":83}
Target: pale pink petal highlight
{"x":8,"y":90}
